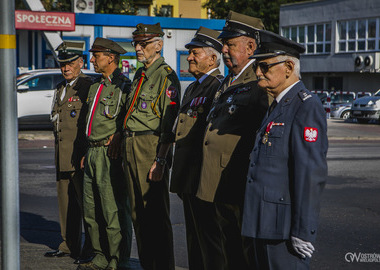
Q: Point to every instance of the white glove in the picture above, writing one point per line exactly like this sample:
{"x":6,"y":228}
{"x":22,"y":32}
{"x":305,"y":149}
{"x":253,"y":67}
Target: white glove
{"x":303,"y":248}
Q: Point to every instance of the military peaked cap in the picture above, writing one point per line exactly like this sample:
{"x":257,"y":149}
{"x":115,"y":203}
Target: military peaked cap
{"x":69,"y":51}
{"x":240,"y":25}
{"x":205,"y":37}
{"x":106,"y":45}
{"x":271,"y":45}
{"x":147,"y":31}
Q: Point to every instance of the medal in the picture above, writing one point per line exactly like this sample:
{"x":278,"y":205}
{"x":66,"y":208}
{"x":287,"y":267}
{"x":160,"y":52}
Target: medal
{"x":190,"y":112}
{"x":73,"y":113}
{"x":200,"y":109}
{"x":232,"y":109}
{"x":265,"y":138}
{"x":143,"y":105}
{"x":229,"y":99}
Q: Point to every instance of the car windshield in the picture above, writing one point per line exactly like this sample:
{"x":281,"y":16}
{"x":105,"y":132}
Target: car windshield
{"x":342,"y":98}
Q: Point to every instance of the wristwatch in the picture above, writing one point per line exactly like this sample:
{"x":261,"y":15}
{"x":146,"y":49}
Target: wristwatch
{"x":161,"y":161}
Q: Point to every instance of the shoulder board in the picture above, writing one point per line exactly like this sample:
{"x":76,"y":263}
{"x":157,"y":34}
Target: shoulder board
{"x":168,"y":69}
{"x":304,"y":95}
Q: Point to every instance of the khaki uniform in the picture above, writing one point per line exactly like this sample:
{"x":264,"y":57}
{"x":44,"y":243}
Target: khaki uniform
{"x":203,"y":245}
{"x":70,"y":146}
{"x":236,"y":114}
{"x":106,"y":208}
{"x":149,"y":125}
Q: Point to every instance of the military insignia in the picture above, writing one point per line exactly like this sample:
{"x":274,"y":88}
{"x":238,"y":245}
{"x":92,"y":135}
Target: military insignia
{"x":198,"y":101}
{"x":195,"y":114}
{"x":265,"y":138}
{"x":200,"y":109}
{"x":240,"y":90}
{"x":144,"y":105}
{"x":229,"y":99}
{"x":310,"y":134}
{"x":111,"y":94}
{"x":304,"y":95}
{"x":73,"y":113}
{"x":189,"y":112}
{"x":151,"y":86}
{"x":104,"y":99}
{"x":171,"y":92}
{"x":168,"y":69}
{"x":232,"y":109}
{"x":69,"y":105}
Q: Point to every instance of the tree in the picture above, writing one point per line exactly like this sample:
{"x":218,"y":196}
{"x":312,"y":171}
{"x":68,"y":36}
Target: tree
{"x":267,"y":11}
{"x":126,"y":7}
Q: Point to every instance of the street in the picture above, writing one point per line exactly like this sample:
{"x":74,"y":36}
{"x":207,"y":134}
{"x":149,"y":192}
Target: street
{"x":349,"y":219}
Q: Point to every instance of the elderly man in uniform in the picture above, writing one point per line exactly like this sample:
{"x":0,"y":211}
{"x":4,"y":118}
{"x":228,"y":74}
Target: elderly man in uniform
{"x":152,"y":107}
{"x":204,"y":59}
{"x":68,"y":116}
{"x":106,"y":207}
{"x":237,"y":111}
{"x":288,"y":166}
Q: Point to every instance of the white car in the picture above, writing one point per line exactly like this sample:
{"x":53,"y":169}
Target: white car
{"x":35,"y":92}
{"x":366,"y":108}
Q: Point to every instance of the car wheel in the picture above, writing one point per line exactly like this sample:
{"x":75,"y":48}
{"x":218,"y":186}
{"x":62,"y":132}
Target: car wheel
{"x":345,"y":115}
{"x":362,"y":121}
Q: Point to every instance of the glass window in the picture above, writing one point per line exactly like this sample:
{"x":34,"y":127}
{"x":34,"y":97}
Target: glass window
{"x":361,"y":45}
{"x":327,"y":47}
{"x":372,"y":28}
{"x":351,"y":46}
{"x":320,"y":32}
{"x":361,"y":28}
{"x":342,"y":30}
{"x":352,"y":29}
{"x":301,"y":34}
{"x":310,"y":33}
{"x":285,"y":32}
{"x":342,"y":46}
{"x":310,"y":48}
{"x":294,"y":34}
{"x":319,"y":48}
{"x":371,"y":45}
{"x":328,"y":32}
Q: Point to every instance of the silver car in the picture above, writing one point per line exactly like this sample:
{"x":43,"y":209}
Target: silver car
{"x":366,"y":108}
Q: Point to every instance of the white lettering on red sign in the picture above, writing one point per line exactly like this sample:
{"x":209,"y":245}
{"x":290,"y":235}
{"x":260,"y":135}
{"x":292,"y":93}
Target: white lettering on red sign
{"x":50,"y":21}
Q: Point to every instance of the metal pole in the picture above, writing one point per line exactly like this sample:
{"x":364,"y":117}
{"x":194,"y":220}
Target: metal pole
{"x":10,"y":231}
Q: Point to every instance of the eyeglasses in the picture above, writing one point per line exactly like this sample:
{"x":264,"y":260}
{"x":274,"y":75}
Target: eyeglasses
{"x":141,"y":43}
{"x":264,"y":67}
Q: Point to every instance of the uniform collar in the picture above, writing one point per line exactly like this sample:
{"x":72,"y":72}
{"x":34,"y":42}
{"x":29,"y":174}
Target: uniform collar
{"x":206,"y":75}
{"x":110,"y":78}
{"x":284,"y":92}
{"x":150,"y":70}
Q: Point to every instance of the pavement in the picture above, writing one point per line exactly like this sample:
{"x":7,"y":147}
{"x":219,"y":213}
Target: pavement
{"x":31,"y":255}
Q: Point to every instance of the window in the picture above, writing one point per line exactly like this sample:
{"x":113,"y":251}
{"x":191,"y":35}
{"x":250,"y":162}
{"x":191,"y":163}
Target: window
{"x":183,"y":66}
{"x":358,"y":35}
{"x":316,"y":37}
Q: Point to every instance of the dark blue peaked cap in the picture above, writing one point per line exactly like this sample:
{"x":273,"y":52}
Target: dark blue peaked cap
{"x":271,"y":45}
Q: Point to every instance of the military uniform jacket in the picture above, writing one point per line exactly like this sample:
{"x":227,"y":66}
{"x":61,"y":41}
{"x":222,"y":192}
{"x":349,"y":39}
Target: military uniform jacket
{"x":157,"y":104}
{"x":288,"y":170}
{"x":110,"y":110}
{"x":234,"y":118}
{"x":191,"y":124}
{"x":69,"y":123}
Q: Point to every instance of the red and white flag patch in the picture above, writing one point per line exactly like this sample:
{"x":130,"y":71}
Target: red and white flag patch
{"x":310,"y":134}
{"x":171,"y":92}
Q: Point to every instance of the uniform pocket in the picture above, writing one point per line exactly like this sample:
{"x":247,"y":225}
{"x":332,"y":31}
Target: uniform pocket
{"x":275,"y":143}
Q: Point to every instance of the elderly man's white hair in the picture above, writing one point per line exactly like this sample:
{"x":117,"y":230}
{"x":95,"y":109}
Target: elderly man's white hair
{"x":295,"y":60}
{"x":212,"y":51}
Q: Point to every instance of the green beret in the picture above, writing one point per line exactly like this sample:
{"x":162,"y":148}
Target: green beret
{"x":147,"y":31}
{"x":205,"y":37}
{"x":106,"y":45}
{"x":69,"y":51}
{"x":240,"y":25}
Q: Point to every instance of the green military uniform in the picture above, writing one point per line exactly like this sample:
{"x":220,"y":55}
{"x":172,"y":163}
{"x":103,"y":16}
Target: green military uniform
{"x":203,"y":240}
{"x":237,"y":112}
{"x":70,"y":147}
{"x":104,"y":184}
{"x":149,"y":125}
{"x":68,"y":116}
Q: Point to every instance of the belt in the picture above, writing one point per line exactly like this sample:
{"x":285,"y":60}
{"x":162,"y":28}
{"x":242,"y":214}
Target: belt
{"x":128,"y":133}
{"x":97,"y":143}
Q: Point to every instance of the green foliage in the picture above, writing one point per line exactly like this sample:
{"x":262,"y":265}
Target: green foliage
{"x":267,"y":10}
{"x":126,"y":7}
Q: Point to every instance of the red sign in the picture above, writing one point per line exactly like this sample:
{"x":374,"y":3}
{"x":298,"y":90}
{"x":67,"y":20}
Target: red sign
{"x":45,"y":21}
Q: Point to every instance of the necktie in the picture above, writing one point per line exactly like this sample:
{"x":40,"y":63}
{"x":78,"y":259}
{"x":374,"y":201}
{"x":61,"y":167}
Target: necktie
{"x":272,"y":106}
{"x":96,"y":101}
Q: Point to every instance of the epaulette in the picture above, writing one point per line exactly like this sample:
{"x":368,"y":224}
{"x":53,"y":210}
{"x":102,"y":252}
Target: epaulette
{"x":304,"y":95}
{"x":168,"y":69}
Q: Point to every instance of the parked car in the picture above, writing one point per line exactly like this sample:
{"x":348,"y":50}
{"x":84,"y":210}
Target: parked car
{"x":35,"y":92}
{"x":341,"y":102}
{"x":366,"y":108}
{"x":363,"y":94}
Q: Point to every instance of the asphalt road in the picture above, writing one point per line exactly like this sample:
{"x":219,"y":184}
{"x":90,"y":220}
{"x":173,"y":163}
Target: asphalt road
{"x":349,"y":219}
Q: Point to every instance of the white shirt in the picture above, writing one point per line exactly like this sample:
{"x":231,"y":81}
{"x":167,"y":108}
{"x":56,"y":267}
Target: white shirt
{"x":283,"y":93}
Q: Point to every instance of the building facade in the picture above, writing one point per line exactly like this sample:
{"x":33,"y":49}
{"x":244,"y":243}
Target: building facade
{"x":342,"y":41}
